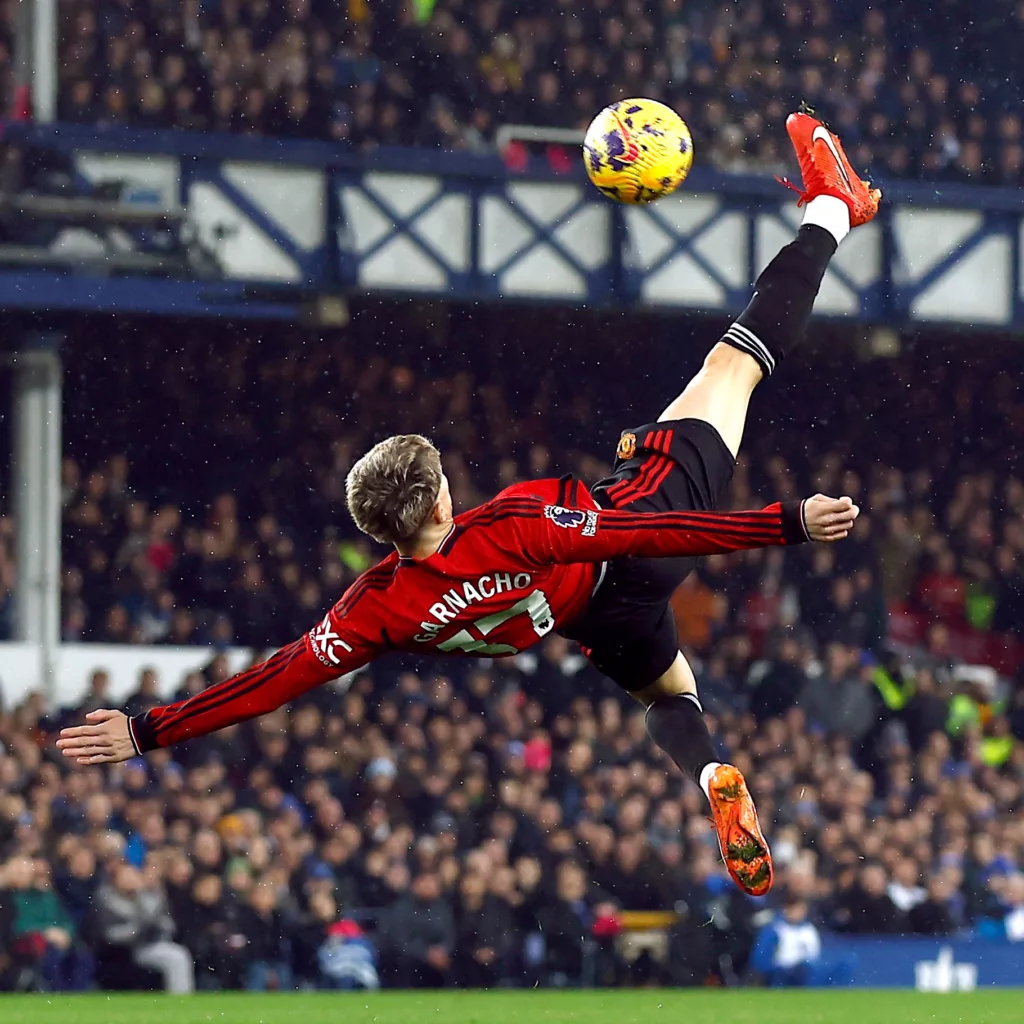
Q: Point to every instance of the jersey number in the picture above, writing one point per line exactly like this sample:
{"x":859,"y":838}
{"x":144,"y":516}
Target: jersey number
{"x":535,"y":605}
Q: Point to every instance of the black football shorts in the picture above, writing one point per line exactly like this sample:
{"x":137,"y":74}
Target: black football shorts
{"x":629,"y":630}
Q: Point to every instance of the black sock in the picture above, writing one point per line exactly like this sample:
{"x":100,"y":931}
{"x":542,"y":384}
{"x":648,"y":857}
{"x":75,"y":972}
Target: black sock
{"x":776,"y":317}
{"x":677,"y":725}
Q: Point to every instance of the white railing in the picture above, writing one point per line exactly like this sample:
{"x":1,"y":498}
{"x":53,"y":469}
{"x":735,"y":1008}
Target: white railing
{"x":22,"y":671}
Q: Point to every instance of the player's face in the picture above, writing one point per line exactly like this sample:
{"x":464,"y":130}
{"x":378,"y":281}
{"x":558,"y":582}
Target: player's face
{"x":443,"y":508}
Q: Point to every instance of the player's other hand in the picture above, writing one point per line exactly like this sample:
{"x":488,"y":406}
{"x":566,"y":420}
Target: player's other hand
{"x":104,"y":740}
{"x":829,"y":519}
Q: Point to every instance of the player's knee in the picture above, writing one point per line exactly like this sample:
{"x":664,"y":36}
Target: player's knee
{"x":676,"y":682}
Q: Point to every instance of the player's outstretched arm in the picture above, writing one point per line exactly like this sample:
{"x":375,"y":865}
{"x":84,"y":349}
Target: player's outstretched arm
{"x":316,"y":658}
{"x":569,"y":535}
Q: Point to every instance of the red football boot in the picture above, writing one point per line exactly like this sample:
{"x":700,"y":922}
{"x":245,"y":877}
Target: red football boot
{"x":744,"y":847}
{"x":826,"y":169}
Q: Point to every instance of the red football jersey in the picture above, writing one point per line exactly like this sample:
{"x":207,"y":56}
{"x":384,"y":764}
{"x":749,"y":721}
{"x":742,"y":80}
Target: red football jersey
{"x":508,"y":573}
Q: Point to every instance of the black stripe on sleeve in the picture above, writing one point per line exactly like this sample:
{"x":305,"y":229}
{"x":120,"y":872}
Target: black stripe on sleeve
{"x":370,"y":579}
{"x":699,"y":521}
{"x":564,"y":483}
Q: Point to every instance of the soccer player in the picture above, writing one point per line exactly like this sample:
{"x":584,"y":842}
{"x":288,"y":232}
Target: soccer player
{"x":597,"y":565}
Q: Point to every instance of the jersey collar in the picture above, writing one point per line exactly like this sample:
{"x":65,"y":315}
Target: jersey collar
{"x":445,"y":543}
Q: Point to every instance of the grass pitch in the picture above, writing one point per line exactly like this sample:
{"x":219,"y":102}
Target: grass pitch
{"x":645,"y":1006}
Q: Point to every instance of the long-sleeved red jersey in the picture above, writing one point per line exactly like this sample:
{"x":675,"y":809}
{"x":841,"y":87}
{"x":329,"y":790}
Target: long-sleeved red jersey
{"x":509,"y":572}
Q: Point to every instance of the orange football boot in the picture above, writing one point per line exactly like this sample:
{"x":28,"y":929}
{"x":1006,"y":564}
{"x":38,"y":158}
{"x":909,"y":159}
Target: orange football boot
{"x":744,"y":848}
{"x":826,"y":170}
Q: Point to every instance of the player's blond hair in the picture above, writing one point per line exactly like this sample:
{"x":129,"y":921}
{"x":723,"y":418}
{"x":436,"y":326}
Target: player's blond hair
{"x":391,"y":491}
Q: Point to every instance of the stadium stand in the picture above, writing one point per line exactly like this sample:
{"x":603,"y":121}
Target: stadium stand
{"x":450,"y":73}
{"x":149,"y":561}
{"x":486,"y":824}
{"x":492,"y":823}
{"x":499,"y":823}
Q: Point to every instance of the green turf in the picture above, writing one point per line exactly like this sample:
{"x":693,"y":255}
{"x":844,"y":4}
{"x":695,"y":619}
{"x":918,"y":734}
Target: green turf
{"x":645,"y":1006}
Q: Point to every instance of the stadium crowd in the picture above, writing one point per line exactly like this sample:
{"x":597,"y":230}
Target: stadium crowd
{"x":248,"y":542}
{"x":449,"y":73}
{"x":487,"y":823}
{"x":488,"y":828}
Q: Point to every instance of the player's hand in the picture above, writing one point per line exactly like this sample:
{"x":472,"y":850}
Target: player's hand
{"x":829,"y":519}
{"x":105,"y":740}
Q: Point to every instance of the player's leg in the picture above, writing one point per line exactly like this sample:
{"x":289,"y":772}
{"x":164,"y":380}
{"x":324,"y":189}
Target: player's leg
{"x":773,"y":322}
{"x":633,"y":642}
{"x":776,"y":317}
{"x":675,"y":721}
{"x":719,"y":394}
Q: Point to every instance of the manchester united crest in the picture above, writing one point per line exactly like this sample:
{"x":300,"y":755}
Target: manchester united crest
{"x":627,"y":447}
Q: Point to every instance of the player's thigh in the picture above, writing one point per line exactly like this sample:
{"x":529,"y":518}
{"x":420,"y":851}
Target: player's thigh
{"x":678,"y":680}
{"x":719,"y":394}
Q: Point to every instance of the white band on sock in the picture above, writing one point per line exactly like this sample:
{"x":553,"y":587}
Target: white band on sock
{"x":695,"y":699}
{"x":705,"y":776}
{"x":830,"y":213}
{"x":746,"y":340}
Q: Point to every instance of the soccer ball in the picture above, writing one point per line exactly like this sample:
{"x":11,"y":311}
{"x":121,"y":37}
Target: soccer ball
{"x":637,"y":151}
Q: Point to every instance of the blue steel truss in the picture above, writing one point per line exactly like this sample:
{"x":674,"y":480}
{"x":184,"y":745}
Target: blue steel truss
{"x":463,"y":226}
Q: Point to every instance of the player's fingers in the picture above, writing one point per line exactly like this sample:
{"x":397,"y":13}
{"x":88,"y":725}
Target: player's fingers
{"x":101,"y":729}
{"x":87,"y":734}
{"x":834,"y":523}
{"x":102,"y":715}
{"x":80,"y":730}
{"x":96,"y":759}
{"x":837,"y":525}
{"x":87,"y":750}
{"x":83,"y":741}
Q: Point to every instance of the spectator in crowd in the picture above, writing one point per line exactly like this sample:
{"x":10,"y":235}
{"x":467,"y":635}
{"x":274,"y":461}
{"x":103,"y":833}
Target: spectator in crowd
{"x":133,"y":914}
{"x":567,"y":926}
{"x":76,"y":885}
{"x":347,"y":958}
{"x":905,"y":889}
{"x":787,"y":952}
{"x":934,"y":915}
{"x":1010,"y":922}
{"x":210,"y":932}
{"x":419,"y":936}
{"x":261,"y":922}
{"x":841,"y":700}
{"x":484,"y":928}
{"x":868,"y":908}
{"x":40,"y":931}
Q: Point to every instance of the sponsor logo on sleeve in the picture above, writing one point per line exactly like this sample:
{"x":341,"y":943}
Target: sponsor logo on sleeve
{"x":567,"y":518}
{"x":326,"y":643}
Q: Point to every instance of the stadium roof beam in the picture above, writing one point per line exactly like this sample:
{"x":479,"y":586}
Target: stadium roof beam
{"x":37,"y":497}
